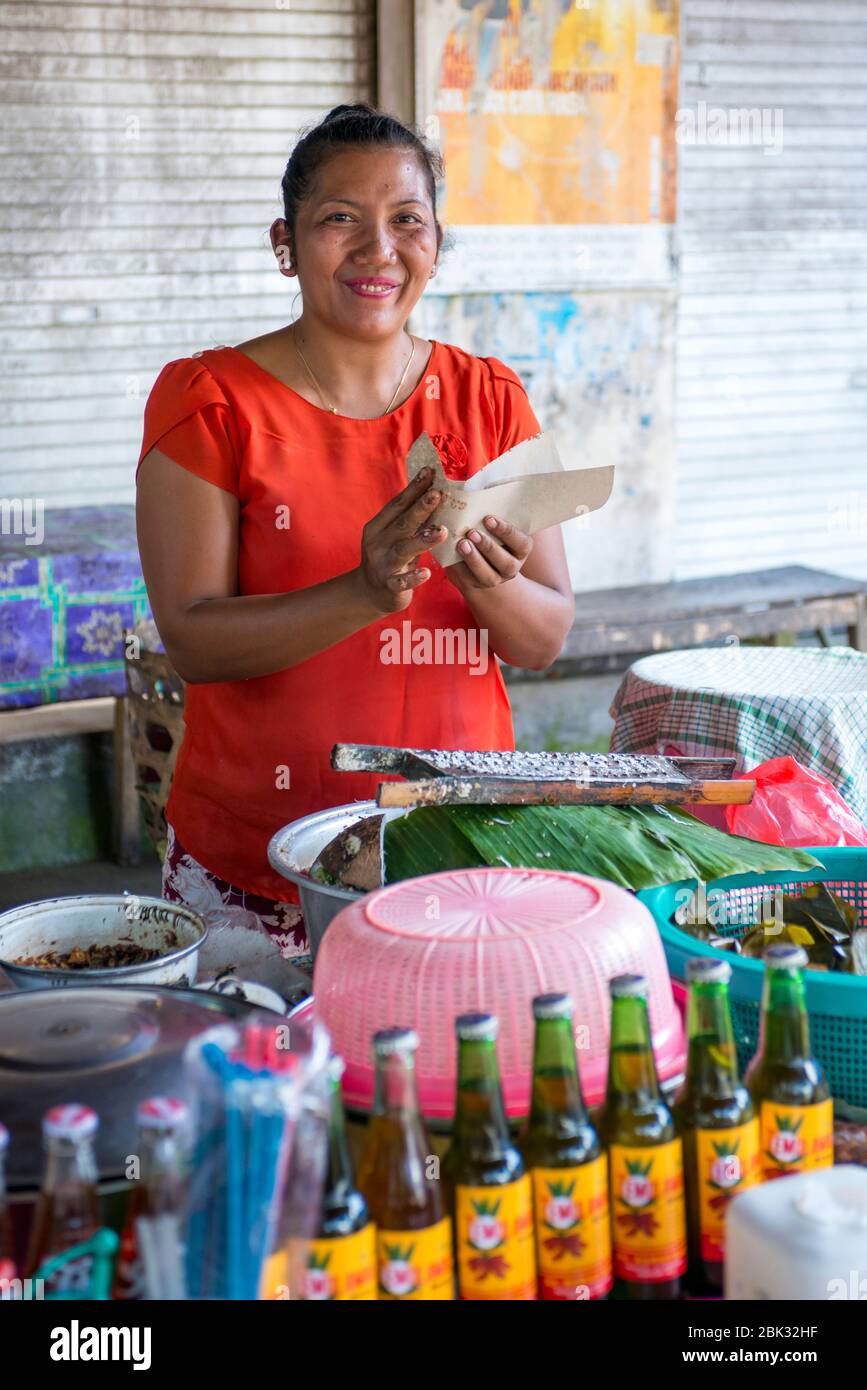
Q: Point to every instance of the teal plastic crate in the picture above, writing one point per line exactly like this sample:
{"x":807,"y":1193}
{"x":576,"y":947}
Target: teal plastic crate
{"x":837,"y":1003}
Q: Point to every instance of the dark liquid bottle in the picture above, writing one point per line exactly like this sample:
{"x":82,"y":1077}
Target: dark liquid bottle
{"x":786,"y":1082}
{"x":399,"y":1177}
{"x":487,"y":1178}
{"x":645,"y":1157}
{"x":715,"y":1118}
{"x":341,"y":1264}
{"x":568,"y":1168}
{"x":67,"y":1211}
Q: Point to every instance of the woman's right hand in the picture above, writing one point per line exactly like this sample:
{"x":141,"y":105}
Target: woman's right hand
{"x":392,"y":542}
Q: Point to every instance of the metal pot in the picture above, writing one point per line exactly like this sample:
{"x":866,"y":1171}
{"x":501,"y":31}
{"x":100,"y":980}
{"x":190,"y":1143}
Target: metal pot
{"x":108,"y":1048}
{"x":59,"y":924}
{"x":295,"y":848}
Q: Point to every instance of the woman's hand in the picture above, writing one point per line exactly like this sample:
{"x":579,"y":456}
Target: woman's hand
{"x":490,"y":558}
{"x":392,"y":542}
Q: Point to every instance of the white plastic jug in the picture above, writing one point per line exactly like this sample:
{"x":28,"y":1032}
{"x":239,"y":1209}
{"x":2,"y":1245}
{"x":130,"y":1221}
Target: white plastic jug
{"x":803,"y":1237}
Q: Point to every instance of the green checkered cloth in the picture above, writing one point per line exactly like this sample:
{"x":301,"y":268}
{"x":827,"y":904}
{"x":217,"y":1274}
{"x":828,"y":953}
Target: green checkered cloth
{"x":752,"y":703}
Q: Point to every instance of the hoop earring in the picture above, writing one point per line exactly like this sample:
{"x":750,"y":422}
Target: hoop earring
{"x":292,"y":307}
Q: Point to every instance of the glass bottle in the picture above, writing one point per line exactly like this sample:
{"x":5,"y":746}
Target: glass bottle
{"x":645,"y":1156}
{"x":567,"y":1165}
{"x":785,"y":1080}
{"x":715,"y":1118}
{"x":492,"y":1194}
{"x":399,"y":1177}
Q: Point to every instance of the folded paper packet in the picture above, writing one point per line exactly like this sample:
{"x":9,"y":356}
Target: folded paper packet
{"x":528,"y":487}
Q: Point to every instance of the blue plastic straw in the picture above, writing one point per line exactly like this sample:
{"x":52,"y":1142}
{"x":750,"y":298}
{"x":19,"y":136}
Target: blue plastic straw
{"x":229,"y":1231}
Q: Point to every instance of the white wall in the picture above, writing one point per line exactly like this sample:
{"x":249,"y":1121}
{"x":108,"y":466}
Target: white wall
{"x":772,"y":340}
{"x":143,"y":151}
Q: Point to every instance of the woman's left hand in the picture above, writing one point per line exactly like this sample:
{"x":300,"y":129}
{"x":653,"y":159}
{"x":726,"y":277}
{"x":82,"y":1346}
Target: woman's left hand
{"x":489,"y":556}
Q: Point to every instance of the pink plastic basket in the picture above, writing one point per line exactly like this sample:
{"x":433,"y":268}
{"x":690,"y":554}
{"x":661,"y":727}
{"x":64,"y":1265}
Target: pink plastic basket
{"x":418,"y":953}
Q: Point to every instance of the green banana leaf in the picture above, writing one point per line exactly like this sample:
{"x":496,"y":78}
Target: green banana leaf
{"x":634,"y":846}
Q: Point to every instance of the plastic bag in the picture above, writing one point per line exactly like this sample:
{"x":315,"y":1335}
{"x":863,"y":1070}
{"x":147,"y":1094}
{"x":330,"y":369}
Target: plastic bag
{"x":795,"y":807}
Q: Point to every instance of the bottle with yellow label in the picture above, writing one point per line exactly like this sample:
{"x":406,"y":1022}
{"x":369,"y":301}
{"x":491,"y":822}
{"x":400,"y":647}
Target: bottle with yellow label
{"x":568,"y":1168}
{"x":786,"y":1082}
{"x":645,"y":1156}
{"x":486,"y":1176}
{"x":399,"y":1177}
{"x":341,"y":1262}
{"x":715,"y":1118}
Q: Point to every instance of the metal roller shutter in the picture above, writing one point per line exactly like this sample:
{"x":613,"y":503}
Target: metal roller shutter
{"x":772,"y":339}
{"x":143,"y":150}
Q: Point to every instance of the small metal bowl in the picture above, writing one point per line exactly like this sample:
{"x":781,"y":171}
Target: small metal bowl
{"x":59,"y":924}
{"x":296,"y":847}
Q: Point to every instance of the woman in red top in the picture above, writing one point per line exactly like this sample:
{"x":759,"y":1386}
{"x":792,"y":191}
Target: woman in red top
{"x":286,"y":558}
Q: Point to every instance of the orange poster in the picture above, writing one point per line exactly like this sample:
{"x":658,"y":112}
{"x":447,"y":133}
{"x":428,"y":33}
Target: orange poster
{"x":555,"y":115}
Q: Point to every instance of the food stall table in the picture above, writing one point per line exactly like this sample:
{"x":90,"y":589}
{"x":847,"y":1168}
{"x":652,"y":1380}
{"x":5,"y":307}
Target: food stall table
{"x":752,"y":703}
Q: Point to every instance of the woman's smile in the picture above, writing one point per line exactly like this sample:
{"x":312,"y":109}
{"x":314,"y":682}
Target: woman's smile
{"x":372,"y":287}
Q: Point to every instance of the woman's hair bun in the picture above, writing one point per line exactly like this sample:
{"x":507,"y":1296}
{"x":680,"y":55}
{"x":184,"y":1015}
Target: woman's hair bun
{"x":337,"y":113}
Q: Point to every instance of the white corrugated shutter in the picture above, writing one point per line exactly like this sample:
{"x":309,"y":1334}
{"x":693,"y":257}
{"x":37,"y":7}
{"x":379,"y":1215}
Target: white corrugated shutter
{"x":143,"y":150}
{"x":772,"y":340}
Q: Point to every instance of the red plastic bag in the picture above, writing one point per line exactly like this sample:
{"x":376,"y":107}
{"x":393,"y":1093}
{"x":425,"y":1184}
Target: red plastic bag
{"x":795,"y":807}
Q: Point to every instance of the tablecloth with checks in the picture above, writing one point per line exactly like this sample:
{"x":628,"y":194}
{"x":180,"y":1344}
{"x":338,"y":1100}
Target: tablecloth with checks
{"x":752,"y":703}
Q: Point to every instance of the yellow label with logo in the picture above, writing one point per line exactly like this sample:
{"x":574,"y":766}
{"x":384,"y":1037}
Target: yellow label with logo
{"x":417,"y":1264}
{"x":796,"y":1138}
{"x":496,"y":1255}
{"x":573,"y":1230}
{"x":342,"y":1267}
{"x":728,"y":1162}
{"x":649,"y":1217}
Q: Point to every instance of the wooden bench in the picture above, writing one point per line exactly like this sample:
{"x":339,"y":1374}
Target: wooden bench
{"x":613,"y":624}
{"x":104,"y":714}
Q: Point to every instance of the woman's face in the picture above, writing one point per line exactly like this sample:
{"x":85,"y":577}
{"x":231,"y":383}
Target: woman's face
{"x":365,"y":242}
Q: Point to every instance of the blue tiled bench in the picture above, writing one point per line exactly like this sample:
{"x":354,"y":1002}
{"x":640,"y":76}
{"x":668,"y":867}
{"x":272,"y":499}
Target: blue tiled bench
{"x":66,"y":596}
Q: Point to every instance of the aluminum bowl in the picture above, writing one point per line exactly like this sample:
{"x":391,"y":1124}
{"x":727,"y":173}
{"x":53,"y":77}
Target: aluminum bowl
{"x":294,"y":849}
{"x":59,"y":924}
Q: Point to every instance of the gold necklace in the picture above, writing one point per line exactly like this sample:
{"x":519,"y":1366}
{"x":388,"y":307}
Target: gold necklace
{"x":333,"y":408}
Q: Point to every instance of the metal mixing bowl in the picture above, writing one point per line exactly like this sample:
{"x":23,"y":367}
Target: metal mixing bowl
{"x":294,"y":849}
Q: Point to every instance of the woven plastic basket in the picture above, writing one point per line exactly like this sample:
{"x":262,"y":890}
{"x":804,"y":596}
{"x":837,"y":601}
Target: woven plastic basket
{"x":419,"y":952}
{"x":155,"y":719}
{"x":837,"y":1003}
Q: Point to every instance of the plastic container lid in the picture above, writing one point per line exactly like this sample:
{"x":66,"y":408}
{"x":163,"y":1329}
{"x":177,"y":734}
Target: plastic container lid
{"x":420,"y":953}
{"x":70,"y":1122}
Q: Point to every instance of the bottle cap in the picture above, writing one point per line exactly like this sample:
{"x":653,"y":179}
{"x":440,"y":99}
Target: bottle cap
{"x":707,"y":970}
{"x":786,"y":957}
{"x":70,"y":1122}
{"x":477,"y":1027}
{"x":391,"y":1042}
{"x":161,"y":1112}
{"x":628,"y":987}
{"x":4,"y":1139}
{"x":553,"y":1006}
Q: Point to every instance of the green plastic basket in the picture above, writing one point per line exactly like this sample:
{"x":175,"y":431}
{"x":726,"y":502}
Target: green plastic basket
{"x":837,"y":1003}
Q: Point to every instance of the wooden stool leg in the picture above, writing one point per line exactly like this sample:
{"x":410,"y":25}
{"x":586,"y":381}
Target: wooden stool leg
{"x":858,"y":629}
{"x":125,"y":806}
